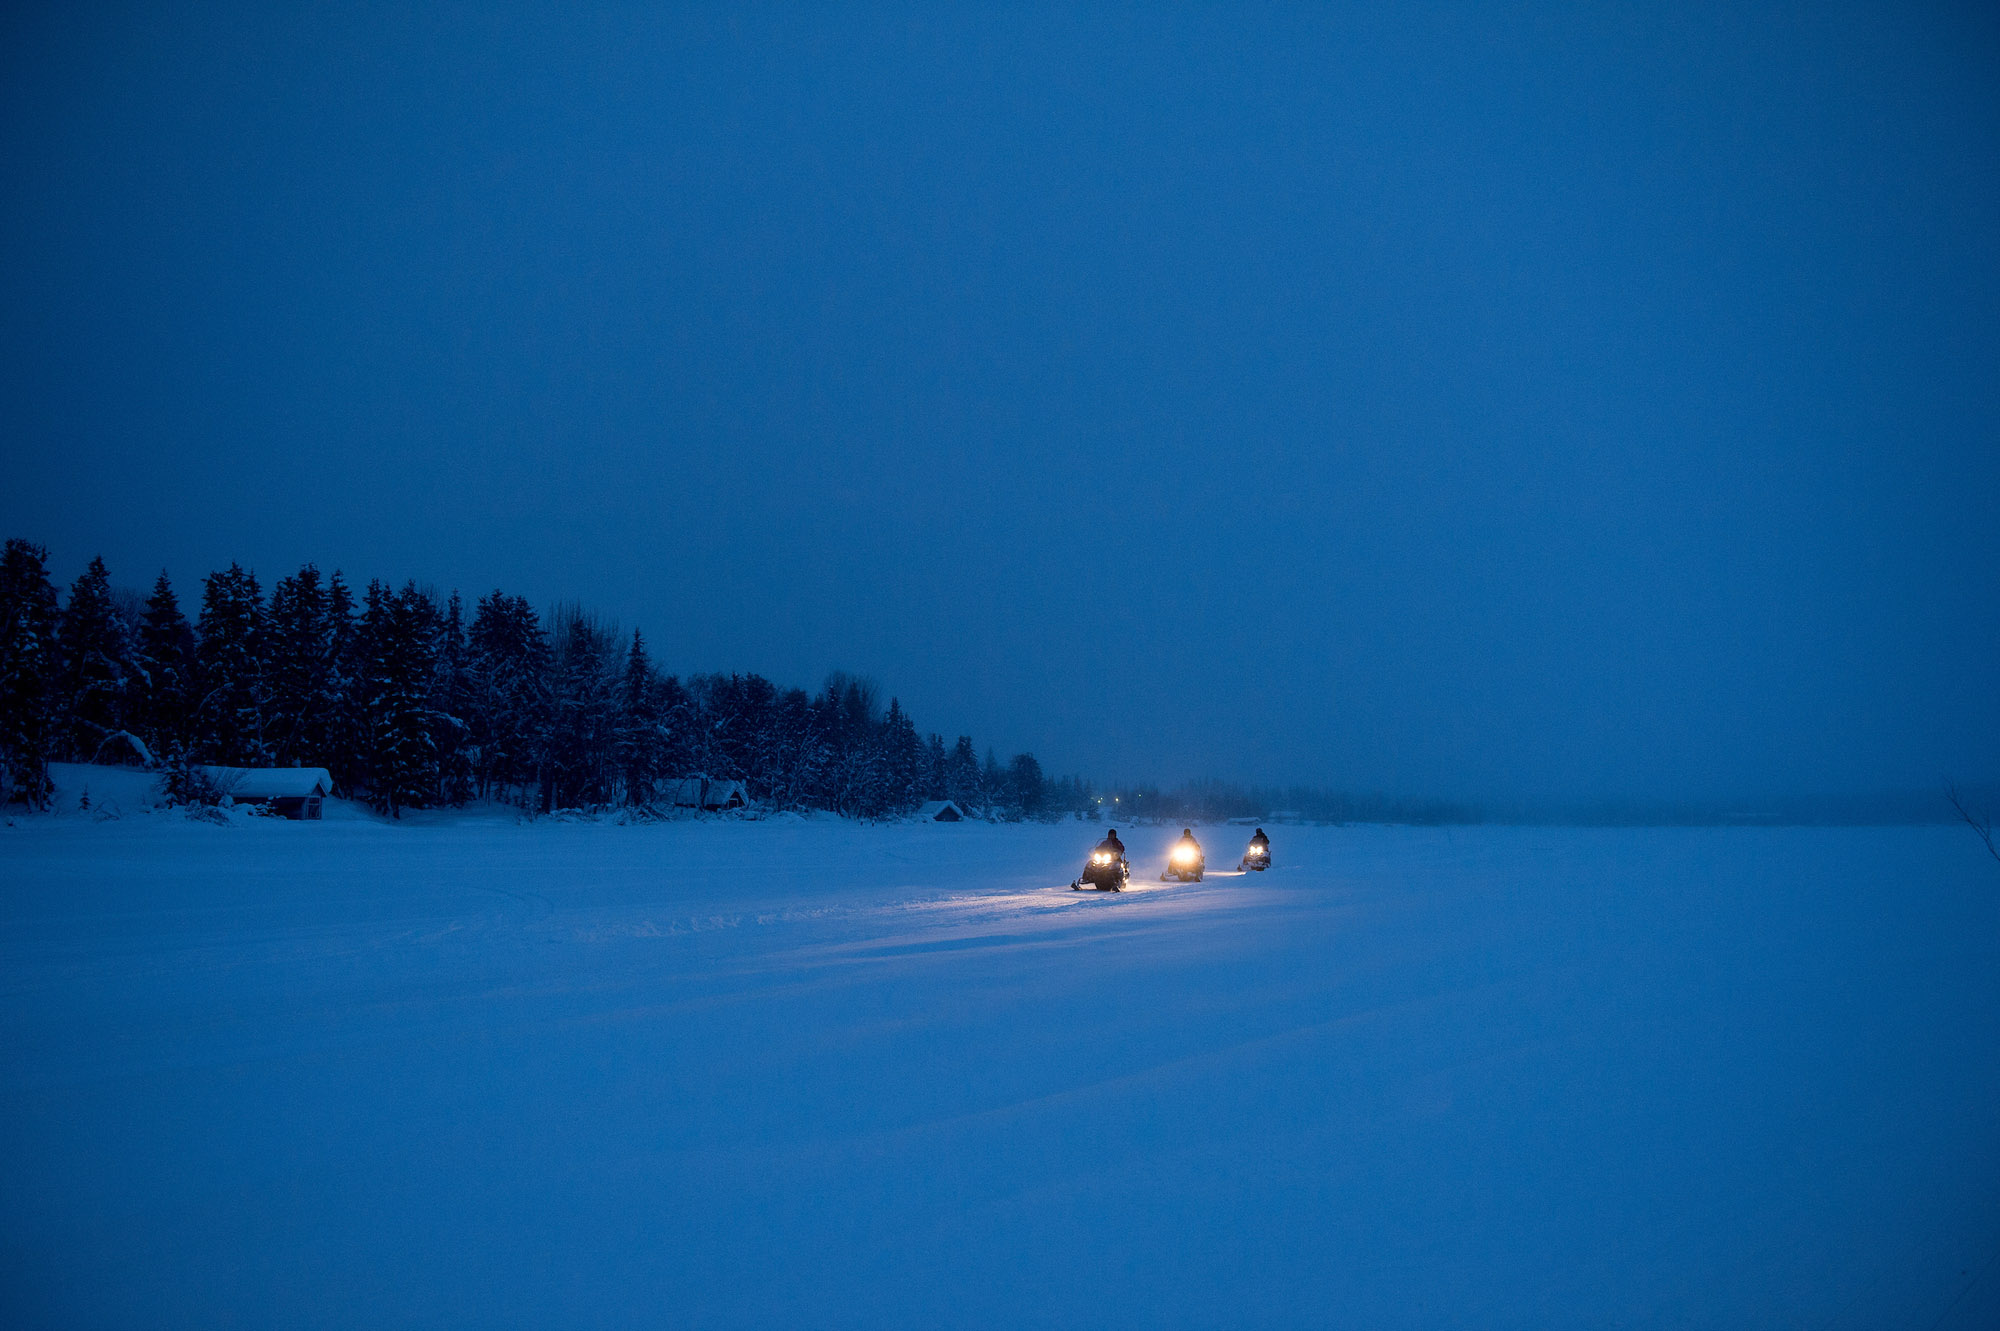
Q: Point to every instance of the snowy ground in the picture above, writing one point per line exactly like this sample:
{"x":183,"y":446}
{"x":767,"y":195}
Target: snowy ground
{"x":468,"y":1073}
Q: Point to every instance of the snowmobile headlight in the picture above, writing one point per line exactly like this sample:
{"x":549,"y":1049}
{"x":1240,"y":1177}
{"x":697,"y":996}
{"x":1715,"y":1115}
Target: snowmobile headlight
{"x":1101,"y":857}
{"x":1183,"y":853}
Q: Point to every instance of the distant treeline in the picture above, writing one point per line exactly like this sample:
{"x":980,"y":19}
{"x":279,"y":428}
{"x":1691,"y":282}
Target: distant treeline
{"x":413,"y":700}
{"x":1219,"y":801}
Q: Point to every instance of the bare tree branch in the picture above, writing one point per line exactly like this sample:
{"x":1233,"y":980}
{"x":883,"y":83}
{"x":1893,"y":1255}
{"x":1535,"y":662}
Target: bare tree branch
{"x":1981,"y":824}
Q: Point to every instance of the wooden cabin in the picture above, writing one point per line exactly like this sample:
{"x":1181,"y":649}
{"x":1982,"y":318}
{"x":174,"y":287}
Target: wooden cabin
{"x":297,"y":793}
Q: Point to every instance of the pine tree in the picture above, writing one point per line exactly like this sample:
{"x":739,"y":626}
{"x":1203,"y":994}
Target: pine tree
{"x":1025,"y":795}
{"x":758,"y":746}
{"x":901,"y":762}
{"x":28,"y":666}
{"x":579,"y":753}
{"x":998,"y":788}
{"x":853,"y":782}
{"x":678,"y":725}
{"x":97,"y":686}
{"x":343,"y":745}
{"x":508,"y":677}
{"x":795,"y":776}
{"x":961,"y":777}
{"x":304,"y":639}
{"x":167,"y":672}
{"x":739,"y":714}
{"x":936,"y":768}
{"x":641,"y":743}
{"x":451,"y":701}
{"x":398,"y":637}
{"x":229,"y":716}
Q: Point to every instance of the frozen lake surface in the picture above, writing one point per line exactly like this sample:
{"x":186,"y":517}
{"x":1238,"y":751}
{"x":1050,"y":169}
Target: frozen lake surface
{"x":464,"y":1073}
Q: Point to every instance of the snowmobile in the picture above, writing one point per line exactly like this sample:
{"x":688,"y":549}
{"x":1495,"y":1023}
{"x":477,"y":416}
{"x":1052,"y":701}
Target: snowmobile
{"x":1186,"y":863}
{"x":1258,"y":857}
{"x":1104,"y":872}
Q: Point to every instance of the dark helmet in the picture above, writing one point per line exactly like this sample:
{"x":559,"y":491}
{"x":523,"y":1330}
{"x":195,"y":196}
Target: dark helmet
{"x":1113,"y":832}
{"x":1260,"y":831}
{"x":1187,"y":831}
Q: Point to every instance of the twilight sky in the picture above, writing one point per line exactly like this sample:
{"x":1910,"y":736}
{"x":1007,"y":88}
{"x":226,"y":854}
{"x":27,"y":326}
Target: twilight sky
{"x":1559,"y":402}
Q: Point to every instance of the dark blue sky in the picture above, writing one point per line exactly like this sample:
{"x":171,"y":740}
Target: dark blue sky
{"x":1556,"y":402}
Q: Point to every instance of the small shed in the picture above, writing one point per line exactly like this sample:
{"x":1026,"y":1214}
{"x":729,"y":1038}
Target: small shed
{"x":940,"y":811}
{"x":289,"y":792}
{"x":701,"y":792}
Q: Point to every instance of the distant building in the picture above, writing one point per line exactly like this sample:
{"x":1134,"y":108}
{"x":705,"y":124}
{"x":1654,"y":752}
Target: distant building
{"x":289,"y":792}
{"x":940,"y":811}
{"x":700,"y":792}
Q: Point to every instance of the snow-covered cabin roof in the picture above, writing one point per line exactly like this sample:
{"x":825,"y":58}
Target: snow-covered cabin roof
{"x":939,"y":811}
{"x":273,"y":783}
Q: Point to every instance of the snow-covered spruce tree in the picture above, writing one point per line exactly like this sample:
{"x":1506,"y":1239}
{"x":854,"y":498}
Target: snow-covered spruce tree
{"x":935,"y":767}
{"x":98,"y":687}
{"x":28,"y":666}
{"x":848,"y":713}
{"x":739,"y":715}
{"x":166,"y":670}
{"x":641,"y":741}
{"x":839,"y":759}
{"x":368,"y":655}
{"x":1025,"y":795}
{"x":508,"y":663}
{"x":398,"y":636}
{"x":712,"y":739}
{"x":229,"y":711}
{"x":343,"y":745}
{"x":698,"y":725}
{"x":680,"y":727}
{"x":798,"y":753}
{"x":579,"y":751}
{"x":961,"y":776}
{"x":758,"y":746}
{"x":993,"y":783}
{"x":901,"y":762}
{"x":306,"y":632}
{"x":451,"y":702}
{"x":186,"y":783}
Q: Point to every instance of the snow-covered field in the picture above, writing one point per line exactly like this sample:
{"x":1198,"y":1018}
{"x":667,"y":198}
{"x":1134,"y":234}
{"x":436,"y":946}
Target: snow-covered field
{"x":464,"y":1073}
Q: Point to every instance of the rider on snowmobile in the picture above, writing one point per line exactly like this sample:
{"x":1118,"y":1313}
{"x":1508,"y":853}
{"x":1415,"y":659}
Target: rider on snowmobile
{"x":1259,"y":854}
{"x":1185,"y":861}
{"x":1106,"y":869}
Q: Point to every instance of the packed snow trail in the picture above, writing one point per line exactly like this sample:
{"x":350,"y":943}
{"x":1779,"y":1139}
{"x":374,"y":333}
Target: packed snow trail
{"x":458,"y":1072}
